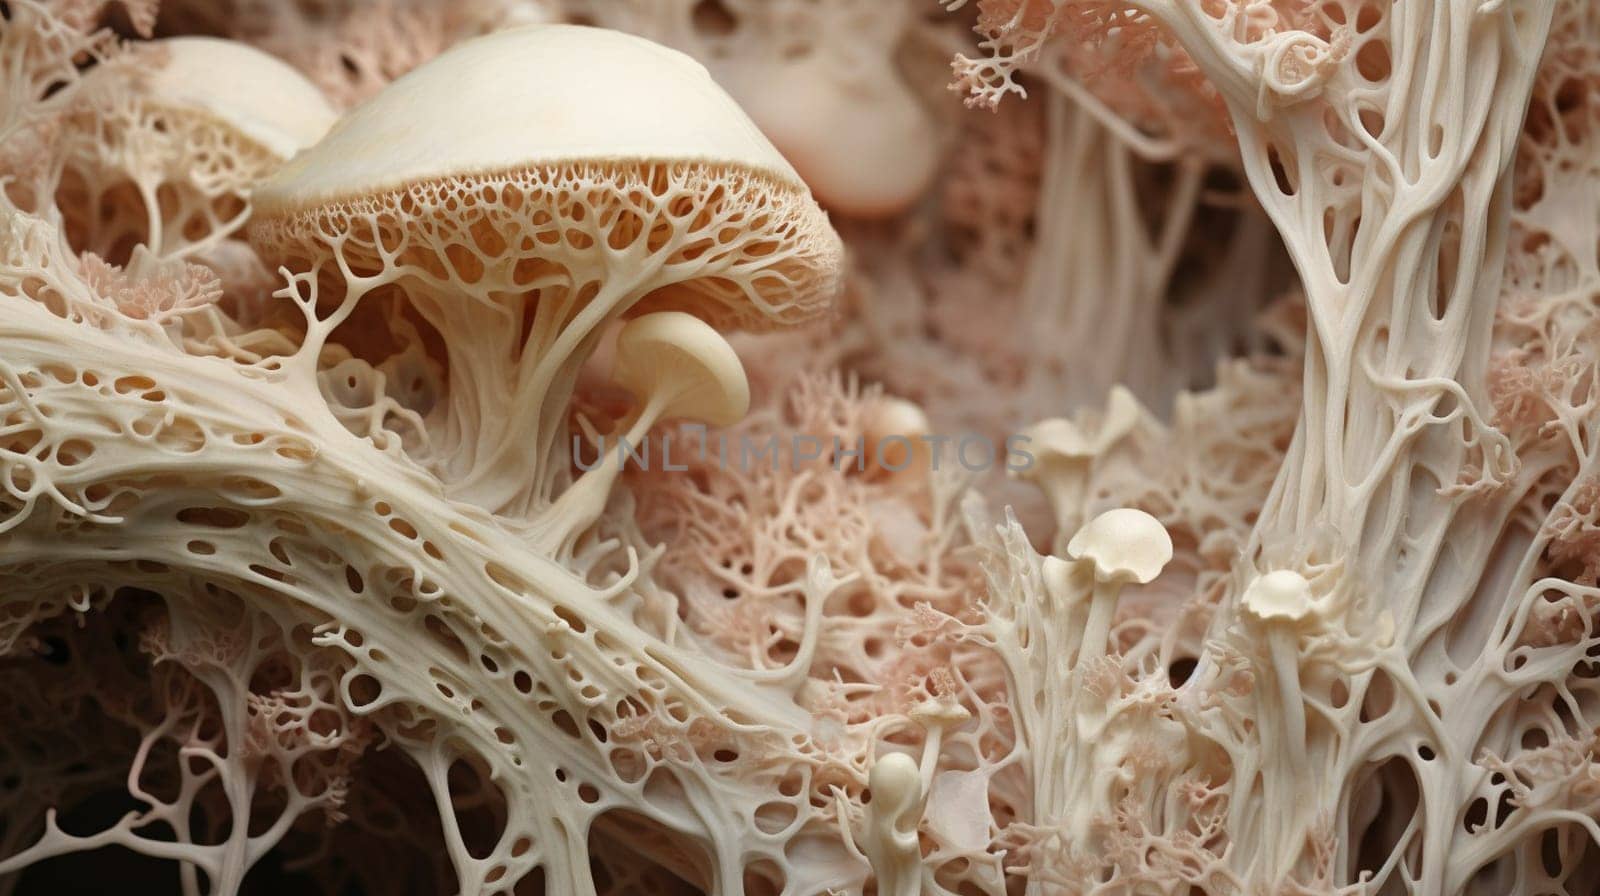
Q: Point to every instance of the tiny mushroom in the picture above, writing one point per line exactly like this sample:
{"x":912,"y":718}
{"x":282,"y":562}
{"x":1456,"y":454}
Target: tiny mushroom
{"x":1064,"y":453}
{"x":935,"y":717}
{"x":1280,"y":602}
{"x":675,"y":365}
{"x":939,"y":713}
{"x":168,"y":159}
{"x":685,"y":368}
{"x":566,"y":177}
{"x":1123,"y":545}
{"x":1280,"y":594}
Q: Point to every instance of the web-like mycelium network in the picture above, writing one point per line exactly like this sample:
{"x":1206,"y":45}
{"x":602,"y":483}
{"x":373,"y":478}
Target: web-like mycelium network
{"x":320,"y":325}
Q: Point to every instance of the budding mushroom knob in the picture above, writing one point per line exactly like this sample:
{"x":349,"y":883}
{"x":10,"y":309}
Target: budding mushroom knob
{"x":894,"y":438}
{"x":675,"y":365}
{"x":1279,"y":601}
{"x":1124,"y":545}
{"x":892,"y":819}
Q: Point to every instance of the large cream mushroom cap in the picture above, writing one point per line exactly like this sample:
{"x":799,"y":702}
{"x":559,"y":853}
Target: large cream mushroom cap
{"x":581,"y":148}
{"x":529,"y":96}
{"x":251,"y":92}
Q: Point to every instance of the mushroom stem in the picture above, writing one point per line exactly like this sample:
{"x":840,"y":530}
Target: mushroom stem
{"x":930,"y":755}
{"x":1064,"y":489}
{"x":585,"y":500}
{"x":683,"y":368}
{"x":533,"y":433}
{"x":1123,"y":545}
{"x":893,"y":816}
{"x":615,"y":296}
{"x":152,"y":216}
{"x":934,"y":717}
{"x":1097,"y":628}
{"x":1283,"y":649}
{"x":1279,"y":603}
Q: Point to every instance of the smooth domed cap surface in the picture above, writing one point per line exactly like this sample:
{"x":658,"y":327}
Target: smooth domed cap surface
{"x":676,"y":351}
{"x":894,"y":430}
{"x":1124,"y":545}
{"x":524,"y":97}
{"x":897,"y":417}
{"x":895,"y":781}
{"x":256,"y":94}
{"x":863,"y":142}
{"x":1280,"y":594}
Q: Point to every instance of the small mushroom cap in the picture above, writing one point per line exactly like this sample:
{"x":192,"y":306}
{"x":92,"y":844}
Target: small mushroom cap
{"x":692,"y":363}
{"x":896,"y":418}
{"x":252,"y":92}
{"x":1058,"y":437}
{"x":1061,"y":439}
{"x":523,"y":97}
{"x":1280,"y":594}
{"x":1125,"y":545}
{"x":935,"y":712}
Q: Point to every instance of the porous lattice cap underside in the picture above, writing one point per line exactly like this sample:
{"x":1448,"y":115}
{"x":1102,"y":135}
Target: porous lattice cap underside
{"x":737,"y":247}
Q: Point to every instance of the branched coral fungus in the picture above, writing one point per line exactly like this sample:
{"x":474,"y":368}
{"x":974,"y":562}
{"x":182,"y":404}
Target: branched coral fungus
{"x":456,"y":448}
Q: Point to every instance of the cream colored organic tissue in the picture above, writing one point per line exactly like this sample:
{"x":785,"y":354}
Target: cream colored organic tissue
{"x":896,"y":447}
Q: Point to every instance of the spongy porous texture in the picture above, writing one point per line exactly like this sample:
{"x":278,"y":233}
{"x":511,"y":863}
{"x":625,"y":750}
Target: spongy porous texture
{"x":89,"y":449}
{"x":739,"y":248}
{"x":521,"y":272}
{"x":138,"y":173}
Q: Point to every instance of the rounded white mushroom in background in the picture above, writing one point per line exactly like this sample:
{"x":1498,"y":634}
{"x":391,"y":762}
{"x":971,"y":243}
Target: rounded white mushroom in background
{"x":169,"y":159}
